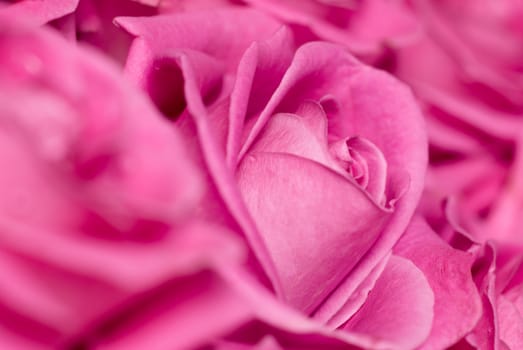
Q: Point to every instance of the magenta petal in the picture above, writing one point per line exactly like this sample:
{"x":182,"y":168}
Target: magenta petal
{"x":509,"y":280}
{"x":376,"y":177}
{"x":371,"y":103}
{"x":486,"y":333}
{"x":148,"y":2}
{"x":163,"y":36}
{"x":214,"y":158}
{"x":9,"y":340}
{"x":470,"y":33}
{"x":185,"y":314}
{"x":293,"y":330}
{"x":469,"y":110}
{"x":504,"y":220}
{"x":303,"y":135}
{"x":259,"y":72}
{"x":318,"y":70}
{"x":302,"y":235}
{"x":389,"y":118}
{"x":52,"y":286}
{"x":94,"y":24}
{"x":399,"y":309}
{"x":267,"y":343}
{"x":510,"y":316}
{"x":93,"y":181}
{"x":332,"y":313}
{"x":105,"y":143}
{"x":457,"y":306}
{"x":190,"y":31}
{"x":362,"y":26}
{"x":39,"y":12}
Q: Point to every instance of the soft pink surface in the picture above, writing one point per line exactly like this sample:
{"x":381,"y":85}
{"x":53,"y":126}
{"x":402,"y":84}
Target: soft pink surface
{"x":241,"y":185}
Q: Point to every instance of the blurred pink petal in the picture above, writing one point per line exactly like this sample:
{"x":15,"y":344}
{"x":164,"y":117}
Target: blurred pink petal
{"x":363,"y":26}
{"x":95,"y":24}
{"x":97,"y":192}
{"x":39,"y":12}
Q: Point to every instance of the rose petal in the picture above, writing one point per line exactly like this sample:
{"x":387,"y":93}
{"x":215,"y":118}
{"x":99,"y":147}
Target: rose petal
{"x":510,"y":322}
{"x":166,"y":33}
{"x":73,"y":142}
{"x":470,"y":33}
{"x":185,"y":314}
{"x":9,"y":340}
{"x":94,"y":24}
{"x":486,"y":333}
{"x":332,"y":72}
{"x":213,"y":155}
{"x":362,"y":26}
{"x":63,"y":277}
{"x":300,"y":234}
{"x":376,"y":177}
{"x":267,"y":343}
{"x":39,"y":12}
{"x":259,"y":72}
{"x":303,"y":135}
{"x":399,"y":308}
{"x":90,"y":172}
{"x":335,"y":316}
{"x":457,"y":305}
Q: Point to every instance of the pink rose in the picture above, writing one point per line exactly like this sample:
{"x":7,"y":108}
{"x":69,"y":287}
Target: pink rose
{"x":97,"y":199}
{"x":268,"y":202}
{"x":466,"y":71}
{"x":318,"y":162}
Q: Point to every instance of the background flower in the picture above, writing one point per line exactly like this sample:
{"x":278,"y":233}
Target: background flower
{"x":97,"y":195}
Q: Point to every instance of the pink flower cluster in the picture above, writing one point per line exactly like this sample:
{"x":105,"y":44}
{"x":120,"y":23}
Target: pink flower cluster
{"x":261,"y":174}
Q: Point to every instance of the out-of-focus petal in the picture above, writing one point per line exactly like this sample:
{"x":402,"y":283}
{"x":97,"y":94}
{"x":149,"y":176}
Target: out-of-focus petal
{"x":362,"y":26}
{"x":38,"y":12}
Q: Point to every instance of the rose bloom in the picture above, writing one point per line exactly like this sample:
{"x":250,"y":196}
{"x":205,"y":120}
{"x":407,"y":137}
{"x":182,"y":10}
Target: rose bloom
{"x":311,"y":172}
{"x":88,"y":197}
{"x":466,"y":70}
{"x":271,"y":206}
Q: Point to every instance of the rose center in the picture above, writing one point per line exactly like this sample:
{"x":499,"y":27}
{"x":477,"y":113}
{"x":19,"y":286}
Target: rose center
{"x":364,"y":162}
